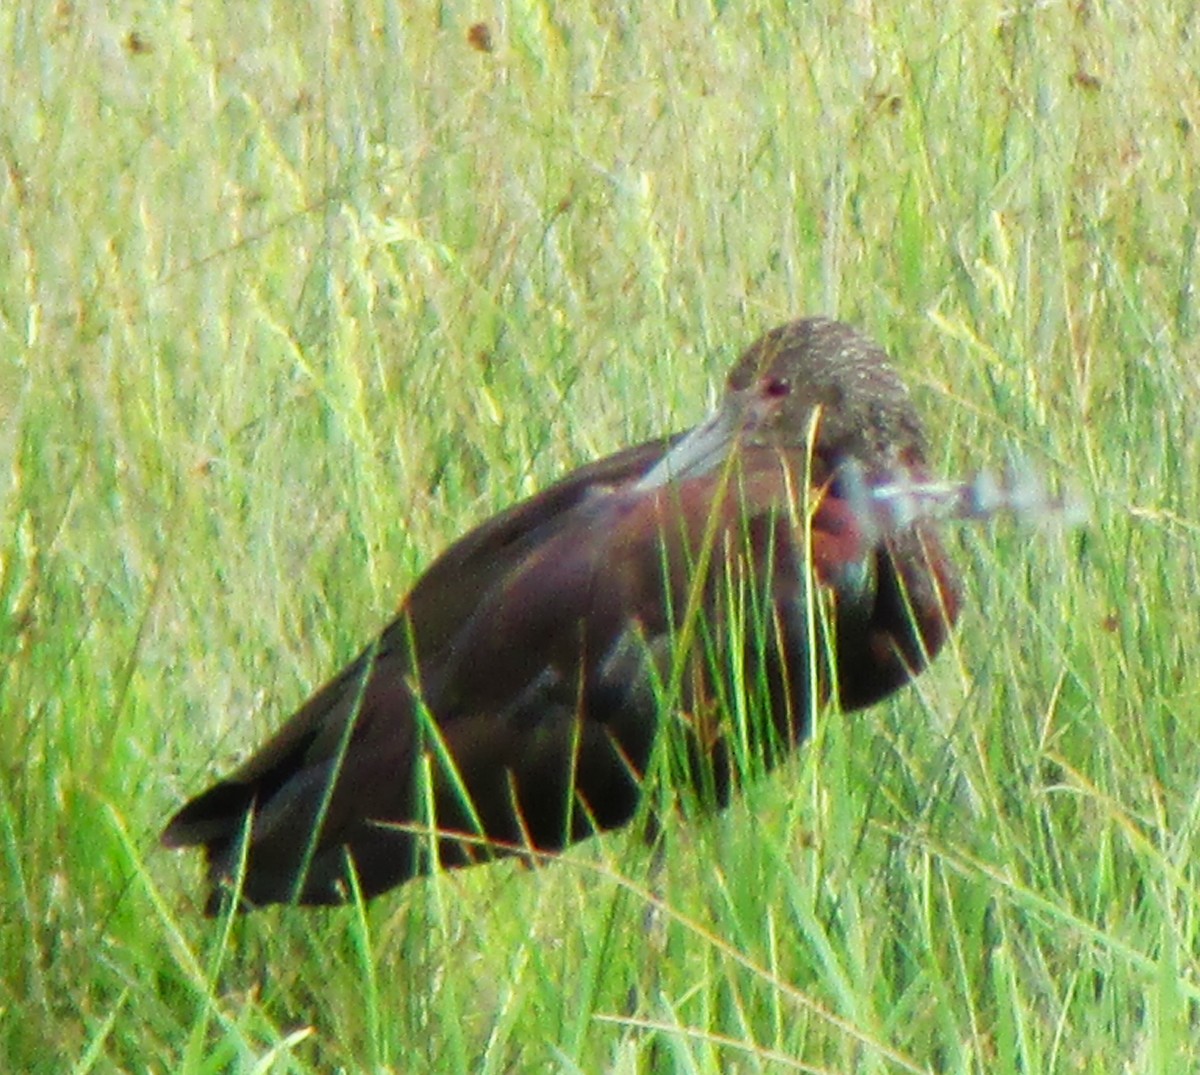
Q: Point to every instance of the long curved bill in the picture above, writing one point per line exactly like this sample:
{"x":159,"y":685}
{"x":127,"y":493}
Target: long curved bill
{"x":701,"y":451}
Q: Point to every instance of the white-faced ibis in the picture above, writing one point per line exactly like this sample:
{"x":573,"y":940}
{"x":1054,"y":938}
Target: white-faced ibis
{"x":725,"y":583}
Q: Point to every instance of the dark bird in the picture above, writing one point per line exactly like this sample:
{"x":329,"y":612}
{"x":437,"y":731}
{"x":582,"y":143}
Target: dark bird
{"x":720,"y":584}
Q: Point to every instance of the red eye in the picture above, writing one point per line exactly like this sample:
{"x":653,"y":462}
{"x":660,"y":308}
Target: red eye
{"x":776,"y":387}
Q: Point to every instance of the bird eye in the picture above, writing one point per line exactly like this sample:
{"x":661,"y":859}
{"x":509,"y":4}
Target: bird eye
{"x":777,"y":387}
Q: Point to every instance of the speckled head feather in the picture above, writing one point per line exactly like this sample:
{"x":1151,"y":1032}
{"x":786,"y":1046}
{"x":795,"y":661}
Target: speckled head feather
{"x":865,"y":409}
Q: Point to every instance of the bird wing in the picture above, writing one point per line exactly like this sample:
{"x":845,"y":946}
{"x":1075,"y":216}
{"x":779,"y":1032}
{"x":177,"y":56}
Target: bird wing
{"x":430,"y":618}
{"x":370,"y":704}
{"x":449,"y":590}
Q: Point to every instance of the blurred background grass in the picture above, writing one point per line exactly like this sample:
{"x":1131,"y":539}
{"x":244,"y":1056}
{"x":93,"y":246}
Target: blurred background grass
{"x":293,"y":294}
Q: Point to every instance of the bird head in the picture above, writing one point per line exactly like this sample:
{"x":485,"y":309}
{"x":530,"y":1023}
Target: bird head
{"x":814,"y":378}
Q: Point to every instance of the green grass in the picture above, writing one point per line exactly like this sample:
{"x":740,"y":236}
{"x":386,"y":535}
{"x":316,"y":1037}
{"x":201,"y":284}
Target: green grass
{"x":290,"y":297}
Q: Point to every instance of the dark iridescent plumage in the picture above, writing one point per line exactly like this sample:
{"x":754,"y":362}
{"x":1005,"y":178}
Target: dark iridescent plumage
{"x":519,"y":693}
